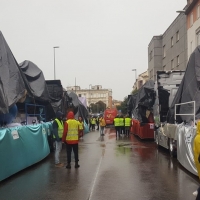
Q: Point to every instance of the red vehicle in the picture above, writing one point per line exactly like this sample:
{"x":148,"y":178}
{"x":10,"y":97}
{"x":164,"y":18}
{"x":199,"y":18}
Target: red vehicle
{"x":109,"y":115}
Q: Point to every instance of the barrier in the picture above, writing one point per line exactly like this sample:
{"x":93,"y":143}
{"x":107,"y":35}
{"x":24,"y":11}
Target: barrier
{"x":22,"y":147}
{"x":146,"y":130}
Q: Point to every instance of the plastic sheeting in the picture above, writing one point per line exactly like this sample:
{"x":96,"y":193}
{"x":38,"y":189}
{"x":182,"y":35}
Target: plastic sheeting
{"x":34,"y":80}
{"x":79,"y":108}
{"x":12,"y":87}
{"x":144,"y":101}
{"x":22,"y":147}
{"x":188,"y":91}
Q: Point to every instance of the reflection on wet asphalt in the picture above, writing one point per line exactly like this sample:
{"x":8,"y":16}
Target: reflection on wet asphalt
{"x":126,"y":168}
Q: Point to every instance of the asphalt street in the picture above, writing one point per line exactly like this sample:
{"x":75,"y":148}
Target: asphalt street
{"x":121,"y":169}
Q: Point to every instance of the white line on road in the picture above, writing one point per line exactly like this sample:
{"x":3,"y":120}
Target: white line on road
{"x":97,"y":172}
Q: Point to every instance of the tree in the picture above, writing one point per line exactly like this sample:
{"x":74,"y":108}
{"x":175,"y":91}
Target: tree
{"x":123,"y":106}
{"x":134,"y":91}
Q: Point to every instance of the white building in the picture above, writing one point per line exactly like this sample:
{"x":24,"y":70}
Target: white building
{"x":141,"y":80}
{"x":94,"y":94}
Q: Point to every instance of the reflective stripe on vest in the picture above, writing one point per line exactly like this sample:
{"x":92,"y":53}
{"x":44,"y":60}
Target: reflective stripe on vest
{"x":72,"y":133}
{"x":127,"y":121}
{"x":60,"y":128}
{"x":121,"y":121}
{"x":116,"y":122}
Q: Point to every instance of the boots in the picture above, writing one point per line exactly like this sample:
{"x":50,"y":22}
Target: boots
{"x":68,"y":166}
{"x":77,"y":165}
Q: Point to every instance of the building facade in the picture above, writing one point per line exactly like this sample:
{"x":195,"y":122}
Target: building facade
{"x":141,"y":80}
{"x":193,"y":25}
{"x":94,"y":94}
{"x":169,"y":51}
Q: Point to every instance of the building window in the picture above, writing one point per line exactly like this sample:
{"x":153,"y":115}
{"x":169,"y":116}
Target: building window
{"x":198,"y":11}
{"x":172,"y":64}
{"x":151,"y":55}
{"x":140,"y":84}
{"x":178,"y":61}
{"x":191,"y":48}
{"x":172,"y":42}
{"x":164,"y":51}
{"x":177,"y":36}
{"x":151,"y":74}
{"x":191,"y":19}
{"x":198,"y":38}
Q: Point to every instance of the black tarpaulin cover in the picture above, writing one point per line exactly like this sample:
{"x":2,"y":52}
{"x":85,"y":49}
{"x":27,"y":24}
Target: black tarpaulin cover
{"x":131,"y":103}
{"x":144,"y":101}
{"x":79,"y":108}
{"x":12,"y":87}
{"x":34,"y":80}
{"x":189,"y":90}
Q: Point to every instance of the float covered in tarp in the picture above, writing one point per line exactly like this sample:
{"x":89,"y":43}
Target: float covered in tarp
{"x":188,"y":91}
{"x":34,"y":80}
{"x":12,"y":87}
{"x":131,"y":103}
{"x":22,"y":147}
{"x":144,"y":101}
{"x":78,"y":108}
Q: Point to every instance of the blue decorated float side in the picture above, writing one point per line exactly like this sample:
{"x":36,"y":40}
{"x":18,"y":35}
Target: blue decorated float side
{"x":22,"y":146}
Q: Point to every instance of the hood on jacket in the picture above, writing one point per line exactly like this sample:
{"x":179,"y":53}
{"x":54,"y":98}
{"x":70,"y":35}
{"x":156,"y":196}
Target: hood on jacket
{"x":70,"y":115}
{"x":59,"y":115}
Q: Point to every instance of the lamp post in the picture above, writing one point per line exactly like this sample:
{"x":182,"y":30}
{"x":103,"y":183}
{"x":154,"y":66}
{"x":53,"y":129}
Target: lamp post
{"x":135,"y":76}
{"x":55,"y":61}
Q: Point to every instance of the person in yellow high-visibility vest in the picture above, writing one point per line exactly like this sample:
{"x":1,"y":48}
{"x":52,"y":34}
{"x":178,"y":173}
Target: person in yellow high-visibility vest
{"x":81,"y":127}
{"x":102,"y":124}
{"x":127,"y":125}
{"x":117,"y":126}
{"x":196,"y":151}
{"x":71,"y":138}
{"x":121,"y":124}
{"x":93,"y":121}
{"x":57,"y":135}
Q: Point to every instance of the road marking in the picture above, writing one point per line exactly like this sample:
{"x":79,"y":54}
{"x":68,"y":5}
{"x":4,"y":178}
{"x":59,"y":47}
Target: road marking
{"x":97,"y":172}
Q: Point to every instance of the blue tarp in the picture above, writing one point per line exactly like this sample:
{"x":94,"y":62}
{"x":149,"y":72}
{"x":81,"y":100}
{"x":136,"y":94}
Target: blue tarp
{"x":21,"y":147}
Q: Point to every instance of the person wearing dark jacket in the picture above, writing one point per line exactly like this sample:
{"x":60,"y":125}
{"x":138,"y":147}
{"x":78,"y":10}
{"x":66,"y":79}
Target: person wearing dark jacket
{"x":71,"y":138}
{"x":57,"y":135}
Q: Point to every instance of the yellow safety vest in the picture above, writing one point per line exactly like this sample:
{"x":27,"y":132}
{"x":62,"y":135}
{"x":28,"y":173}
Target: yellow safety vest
{"x":80,"y":125}
{"x":93,"y":121}
{"x":72,"y":133}
{"x":127,"y":121}
{"x":102,"y":122}
{"x":60,"y":128}
{"x":116,"y":122}
{"x":121,"y":121}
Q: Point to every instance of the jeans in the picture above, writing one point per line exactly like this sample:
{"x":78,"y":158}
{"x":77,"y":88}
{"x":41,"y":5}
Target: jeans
{"x":57,"y":151}
{"x":101,"y":130}
{"x":69,"y":148}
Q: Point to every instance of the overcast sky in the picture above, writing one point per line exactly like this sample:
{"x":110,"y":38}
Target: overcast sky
{"x":100,"y":41}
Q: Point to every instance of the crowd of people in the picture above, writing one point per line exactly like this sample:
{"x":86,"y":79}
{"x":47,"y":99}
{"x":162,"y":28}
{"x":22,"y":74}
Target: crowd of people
{"x":71,"y":130}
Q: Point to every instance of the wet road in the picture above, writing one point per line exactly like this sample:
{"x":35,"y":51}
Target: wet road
{"x":122,"y":169}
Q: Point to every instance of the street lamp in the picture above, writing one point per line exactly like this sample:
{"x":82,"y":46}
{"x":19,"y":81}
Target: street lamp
{"x":55,"y":62}
{"x":135,"y":76}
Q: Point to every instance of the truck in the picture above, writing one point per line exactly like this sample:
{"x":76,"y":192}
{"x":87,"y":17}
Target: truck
{"x":109,"y":115}
{"x":166,"y":86}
